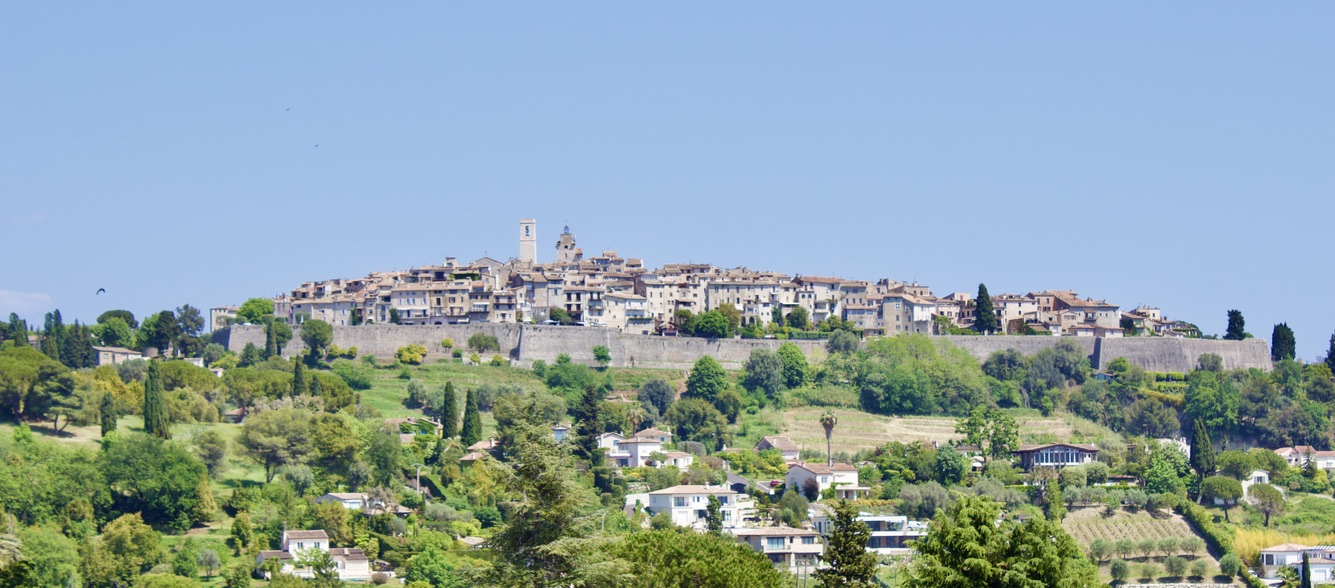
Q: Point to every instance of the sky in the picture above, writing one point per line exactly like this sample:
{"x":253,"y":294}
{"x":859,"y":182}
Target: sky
{"x":1180,"y":155}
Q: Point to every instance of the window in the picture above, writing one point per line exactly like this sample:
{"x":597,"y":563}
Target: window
{"x":808,"y":541}
{"x":678,"y":501}
{"x":774,"y":543}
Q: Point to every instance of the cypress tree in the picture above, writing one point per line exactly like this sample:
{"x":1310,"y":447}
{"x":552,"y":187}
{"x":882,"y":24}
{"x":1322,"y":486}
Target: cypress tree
{"x":1237,"y":330}
{"x":985,"y":316}
{"x":18,"y":331}
{"x":250,"y":355}
{"x":300,"y":385}
{"x":449,"y":412}
{"x":472,"y":430}
{"x":847,"y":561}
{"x":1282,"y":343}
{"x":1330,"y":354}
{"x":1056,"y":508}
{"x":156,"y":420}
{"x":1202,"y":451}
{"x":1305,"y":581}
{"x":588,"y":426}
{"x":270,"y":340}
{"x":108,"y":413}
{"x":316,"y":389}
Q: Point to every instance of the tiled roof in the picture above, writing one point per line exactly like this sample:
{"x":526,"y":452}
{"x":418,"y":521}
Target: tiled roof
{"x":692,"y":489}
{"x":773,"y":532}
{"x":314,"y":534}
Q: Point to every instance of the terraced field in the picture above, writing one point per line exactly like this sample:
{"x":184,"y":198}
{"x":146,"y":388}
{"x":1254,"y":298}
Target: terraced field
{"x":860,"y":430}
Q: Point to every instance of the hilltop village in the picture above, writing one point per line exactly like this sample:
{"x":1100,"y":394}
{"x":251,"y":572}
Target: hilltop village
{"x":610,"y":291}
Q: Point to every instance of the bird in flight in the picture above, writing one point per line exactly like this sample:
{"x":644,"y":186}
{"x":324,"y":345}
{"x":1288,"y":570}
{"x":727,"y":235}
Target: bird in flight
{"x":101,"y":291}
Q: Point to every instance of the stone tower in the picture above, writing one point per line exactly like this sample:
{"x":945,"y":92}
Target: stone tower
{"x":528,"y":240}
{"x":566,"y":251}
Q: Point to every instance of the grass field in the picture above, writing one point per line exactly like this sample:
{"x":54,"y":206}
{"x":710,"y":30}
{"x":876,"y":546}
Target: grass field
{"x":859,"y":430}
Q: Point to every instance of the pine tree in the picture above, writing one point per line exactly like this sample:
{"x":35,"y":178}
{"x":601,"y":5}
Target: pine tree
{"x":588,"y":426}
{"x":1237,"y":330}
{"x":108,"y":413}
{"x":714,"y":515}
{"x":1202,"y":451}
{"x":18,"y":331}
{"x":156,"y":420}
{"x":449,"y":412}
{"x":300,"y":385}
{"x":316,"y":389}
{"x":472,"y":430}
{"x":848,"y":564}
{"x":985,"y":316}
{"x":1282,"y":343}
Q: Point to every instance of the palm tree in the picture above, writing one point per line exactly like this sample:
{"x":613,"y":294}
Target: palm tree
{"x":636,"y":417}
{"x":828,"y":420}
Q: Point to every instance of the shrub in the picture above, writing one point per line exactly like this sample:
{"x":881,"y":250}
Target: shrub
{"x":412,"y":353}
{"x":1230,"y":565}
{"x":457,"y":353}
{"x":357,"y":376}
{"x":379,"y":578}
{"x":475,"y":359}
{"x":497,"y":360}
{"x":405,"y":374}
{"x":447,"y":343}
{"x":1219,"y":539}
{"x":481,"y":342}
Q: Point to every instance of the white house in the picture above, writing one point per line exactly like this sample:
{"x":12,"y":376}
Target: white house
{"x":688,"y":505}
{"x":840,"y":476}
{"x":789,"y":548}
{"x":786,"y":447}
{"x":890,"y":534}
{"x":1055,"y":455}
{"x":1321,"y":561}
{"x":349,"y":500}
{"x":350,"y":562}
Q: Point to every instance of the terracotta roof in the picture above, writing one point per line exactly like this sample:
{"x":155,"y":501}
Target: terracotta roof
{"x":777,"y":442}
{"x":486,"y":445}
{"x":652,"y":431}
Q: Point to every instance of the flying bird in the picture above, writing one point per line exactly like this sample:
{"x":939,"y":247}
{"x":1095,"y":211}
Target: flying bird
{"x":101,"y":291}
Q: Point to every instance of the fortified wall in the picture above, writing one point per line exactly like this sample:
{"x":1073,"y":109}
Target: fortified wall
{"x":524,"y":344}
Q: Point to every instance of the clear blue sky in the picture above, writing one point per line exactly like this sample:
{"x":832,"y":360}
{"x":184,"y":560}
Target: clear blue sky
{"x":1180,"y":154}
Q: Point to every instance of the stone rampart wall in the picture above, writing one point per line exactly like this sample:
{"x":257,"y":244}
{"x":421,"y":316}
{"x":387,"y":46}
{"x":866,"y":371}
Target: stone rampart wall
{"x":524,"y":344}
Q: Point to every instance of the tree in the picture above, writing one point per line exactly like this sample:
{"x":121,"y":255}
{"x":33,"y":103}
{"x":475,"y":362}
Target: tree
{"x":449,"y":412}
{"x":827,"y":421}
{"x":714,"y":515}
{"x":472,"y":428}
{"x":1236,"y":330}
{"x":798,"y":318}
{"x":157,"y":478}
{"x":657,"y":393}
{"x":1119,"y":570}
{"x":317,"y":335}
{"x":848,"y":564}
{"x":1202,"y":451}
{"x":602,"y":355}
{"x":843,"y":342}
{"x":673,"y":558}
{"x":301,"y":386}
{"x":696,"y":420}
{"x":275,"y":438}
{"x":212,"y":450}
{"x":1099,"y":550}
{"x":208,"y":561}
{"x":1230,"y":565}
{"x":1226,"y":490}
{"x":1056,"y":508}
{"x":795,"y":367}
{"x":539,"y":544}
{"x":711,"y":324}
{"x":1267,"y":499}
{"x":243,"y":533}
{"x":115,"y":332}
{"x":985,"y":315}
{"x":250,"y":355}
{"x":157,"y":421}
{"x":255,"y":311}
{"x":1282,"y":343}
{"x":1330,"y":353}
{"x":966,"y":546}
{"x":483,"y":342}
{"x":764,"y":372}
{"x":1175,"y":566}
{"x":1152,"y":418}
{"x":107,"y":413}
{"x":186,"y":561}
{"x":707,"y":380}
{"x":1305,"y":580}
{"x":431,"y":567}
